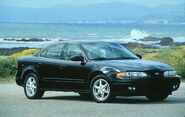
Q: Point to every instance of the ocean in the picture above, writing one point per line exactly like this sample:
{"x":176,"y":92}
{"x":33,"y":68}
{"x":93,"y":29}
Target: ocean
{"x":93,"y":32}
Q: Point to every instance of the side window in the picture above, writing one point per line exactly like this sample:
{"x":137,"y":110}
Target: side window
{"x":43,"y":53}
{"x":72,"y":50}
{"x":54,"y":51}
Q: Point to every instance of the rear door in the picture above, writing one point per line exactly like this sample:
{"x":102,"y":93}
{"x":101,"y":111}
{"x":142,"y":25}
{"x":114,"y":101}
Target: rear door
{"x":50,"y":66}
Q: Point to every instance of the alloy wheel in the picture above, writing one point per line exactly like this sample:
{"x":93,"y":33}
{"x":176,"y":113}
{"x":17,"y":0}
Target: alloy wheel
{"x":101,"y":89}
{"x":31,"y":86}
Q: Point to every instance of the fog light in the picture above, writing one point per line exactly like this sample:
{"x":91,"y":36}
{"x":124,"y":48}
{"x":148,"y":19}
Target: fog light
{"x":132,"y":88}
{"x":175,"y":87}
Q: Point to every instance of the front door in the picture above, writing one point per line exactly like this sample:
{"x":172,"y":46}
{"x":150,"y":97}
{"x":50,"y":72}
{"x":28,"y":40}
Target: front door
{"x":75,"y":73}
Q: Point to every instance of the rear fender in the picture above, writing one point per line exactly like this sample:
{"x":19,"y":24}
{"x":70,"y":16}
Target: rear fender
{"x":27,"y":70}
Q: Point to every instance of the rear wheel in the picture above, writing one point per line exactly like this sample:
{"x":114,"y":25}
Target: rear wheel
{"x":32,"y":88}
{"x":157,"y":97}
{"x":100,"y":89}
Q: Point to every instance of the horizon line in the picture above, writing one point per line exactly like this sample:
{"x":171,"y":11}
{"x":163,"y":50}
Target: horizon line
{"x":36,"y":7}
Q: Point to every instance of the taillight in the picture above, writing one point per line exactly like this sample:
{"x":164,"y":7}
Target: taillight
{"x":18,"y":65}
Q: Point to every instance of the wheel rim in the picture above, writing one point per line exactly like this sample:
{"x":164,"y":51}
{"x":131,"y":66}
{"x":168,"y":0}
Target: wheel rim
{"x":101,"y":89}
{"x":31,"y":86}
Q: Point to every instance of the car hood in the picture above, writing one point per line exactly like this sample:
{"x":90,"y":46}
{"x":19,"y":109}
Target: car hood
{"x":136,"y":65}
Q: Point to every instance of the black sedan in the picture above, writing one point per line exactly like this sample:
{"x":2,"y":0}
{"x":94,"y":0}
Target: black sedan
{"x":102,"y":70}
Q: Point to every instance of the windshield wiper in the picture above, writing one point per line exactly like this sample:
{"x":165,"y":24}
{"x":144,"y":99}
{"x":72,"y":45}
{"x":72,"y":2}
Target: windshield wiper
{"x":99,"y":59}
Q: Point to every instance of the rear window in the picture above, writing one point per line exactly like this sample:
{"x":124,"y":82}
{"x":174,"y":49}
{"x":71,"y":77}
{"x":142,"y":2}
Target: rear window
{"x":53,"y":52}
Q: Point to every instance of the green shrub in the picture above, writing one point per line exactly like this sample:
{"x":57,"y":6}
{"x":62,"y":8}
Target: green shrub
{"x":7,"y":67}
{"x":175,"y":58}
{"x":8,"y":64}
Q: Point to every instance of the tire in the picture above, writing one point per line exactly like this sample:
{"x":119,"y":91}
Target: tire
{"x":32,"y":87}
{"x":157,"y":97}
{"x":100,"y":89}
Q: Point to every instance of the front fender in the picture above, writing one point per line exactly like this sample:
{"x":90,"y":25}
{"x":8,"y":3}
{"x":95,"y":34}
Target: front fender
{"x":110,"y":72}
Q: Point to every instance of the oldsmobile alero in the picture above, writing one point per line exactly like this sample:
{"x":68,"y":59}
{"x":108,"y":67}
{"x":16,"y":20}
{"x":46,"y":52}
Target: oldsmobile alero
{"x":101,"y":70}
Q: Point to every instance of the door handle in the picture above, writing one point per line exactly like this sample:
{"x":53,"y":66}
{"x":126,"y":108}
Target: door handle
{"x":38,"y":64}
{"x":62,"y":66}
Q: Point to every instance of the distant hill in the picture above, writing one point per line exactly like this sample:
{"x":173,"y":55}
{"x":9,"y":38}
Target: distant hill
{"x":104,"y":12}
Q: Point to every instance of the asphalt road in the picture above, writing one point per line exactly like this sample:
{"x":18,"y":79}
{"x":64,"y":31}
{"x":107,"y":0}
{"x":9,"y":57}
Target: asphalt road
{"x":13,"y":103}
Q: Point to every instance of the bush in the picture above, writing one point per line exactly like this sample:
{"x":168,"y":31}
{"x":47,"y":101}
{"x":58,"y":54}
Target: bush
{"x":175,"y":58}
{"x":8,"y":64}
{"x":7,"y":67}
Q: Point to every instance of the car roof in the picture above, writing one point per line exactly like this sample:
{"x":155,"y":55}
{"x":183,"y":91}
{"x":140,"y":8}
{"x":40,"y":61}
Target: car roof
{"x":85,"y":42}
{"x":77,"y":42}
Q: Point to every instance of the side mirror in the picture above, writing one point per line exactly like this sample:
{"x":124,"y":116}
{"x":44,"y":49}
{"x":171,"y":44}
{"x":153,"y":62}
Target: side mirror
{"x":78,"y":58}
{"x":139,"y":56}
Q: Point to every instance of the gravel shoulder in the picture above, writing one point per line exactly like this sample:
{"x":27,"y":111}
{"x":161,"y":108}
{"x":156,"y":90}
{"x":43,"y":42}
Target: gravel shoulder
{"x":13,"y":103}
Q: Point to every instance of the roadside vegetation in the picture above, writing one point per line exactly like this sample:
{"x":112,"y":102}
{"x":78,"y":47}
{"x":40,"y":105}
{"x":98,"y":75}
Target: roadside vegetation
{"x":174,"y":56}
{"x":8,"y":64}
{"x":23,"y":53}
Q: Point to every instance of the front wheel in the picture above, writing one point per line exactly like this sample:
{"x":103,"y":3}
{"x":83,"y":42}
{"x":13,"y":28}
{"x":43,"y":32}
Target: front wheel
{"x":100,"y":89}
{"x":31,"y":87}
{"x":157,"y":97}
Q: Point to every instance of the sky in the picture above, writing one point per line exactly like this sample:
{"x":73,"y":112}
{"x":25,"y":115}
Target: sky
{"x":47,"y":3}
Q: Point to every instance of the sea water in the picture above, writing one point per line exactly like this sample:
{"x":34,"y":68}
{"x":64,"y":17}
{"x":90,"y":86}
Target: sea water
{"x":92,"y":32}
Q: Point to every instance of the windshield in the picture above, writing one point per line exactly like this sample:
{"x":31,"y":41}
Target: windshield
{"x":107,"y":51}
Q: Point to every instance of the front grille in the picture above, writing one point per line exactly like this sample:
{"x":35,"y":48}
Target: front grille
{"x":155,"y":74}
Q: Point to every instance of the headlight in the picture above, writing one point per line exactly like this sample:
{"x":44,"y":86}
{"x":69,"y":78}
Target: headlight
{"x":131,"y":75}
{"x":170,"y":73}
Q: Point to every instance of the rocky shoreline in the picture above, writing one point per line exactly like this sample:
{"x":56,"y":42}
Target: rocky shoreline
{"x":139,"y":43}
{"x":156,"y":42}
{"x":27,"y":40}
{"x":163,"y":41}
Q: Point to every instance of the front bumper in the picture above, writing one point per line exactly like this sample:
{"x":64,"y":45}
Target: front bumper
{"x":143,"y":86}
